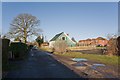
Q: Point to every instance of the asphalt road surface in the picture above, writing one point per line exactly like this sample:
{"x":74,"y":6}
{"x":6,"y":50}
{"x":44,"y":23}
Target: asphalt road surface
{"x":41,"y":64}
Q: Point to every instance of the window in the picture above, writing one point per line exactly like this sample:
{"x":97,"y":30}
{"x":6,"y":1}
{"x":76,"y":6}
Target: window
{"x":63,"y":38}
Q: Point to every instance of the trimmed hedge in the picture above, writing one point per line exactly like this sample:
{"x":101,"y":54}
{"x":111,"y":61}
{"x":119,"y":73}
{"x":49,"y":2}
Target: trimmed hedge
{"x":19,"y":50}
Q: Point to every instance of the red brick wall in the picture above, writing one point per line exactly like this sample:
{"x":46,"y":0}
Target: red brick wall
{"x":102,"y":42}
{"x":94,"y":42}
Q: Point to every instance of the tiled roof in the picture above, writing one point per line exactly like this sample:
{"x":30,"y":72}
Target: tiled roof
{"x":56,"y":36}
{"x":100,"y":38}
{"x":88,"y":39}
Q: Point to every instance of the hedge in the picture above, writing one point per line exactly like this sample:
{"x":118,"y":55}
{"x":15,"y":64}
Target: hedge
{"x":19,"y":50}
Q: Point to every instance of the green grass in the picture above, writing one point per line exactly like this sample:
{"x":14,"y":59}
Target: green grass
{"x":110,"y":60}
{"x":100,"y":47}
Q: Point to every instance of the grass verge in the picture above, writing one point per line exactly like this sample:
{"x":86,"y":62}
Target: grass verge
{"x":46,"y":49}
{"x":105,"y":59}
{"x":110,"y":60}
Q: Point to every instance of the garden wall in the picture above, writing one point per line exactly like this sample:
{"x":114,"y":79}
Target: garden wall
{"x":5,"y":49}
{"x":0,"y":58}
{"x":18,"y":50}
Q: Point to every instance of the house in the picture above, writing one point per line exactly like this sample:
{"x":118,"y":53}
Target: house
{"x":93,"y":42}
{"x":45,"y":44}
{"x":62,"y":36}
{"x":86,"y":42}
{"x":101,"y":41}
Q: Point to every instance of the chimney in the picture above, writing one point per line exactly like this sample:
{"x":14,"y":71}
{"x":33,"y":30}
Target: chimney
{"x":68,"y":34}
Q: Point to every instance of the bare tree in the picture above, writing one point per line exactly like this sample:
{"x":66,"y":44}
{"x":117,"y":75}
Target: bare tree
{"x":109,"y":36}
{"x":39,"y":40}
{"x":60,"y":46}
{"x":118,"y":40}
{"x":112,"y":45}
{"x":23,"y":26}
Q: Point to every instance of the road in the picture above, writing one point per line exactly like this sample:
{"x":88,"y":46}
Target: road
{"x":41,"y":65}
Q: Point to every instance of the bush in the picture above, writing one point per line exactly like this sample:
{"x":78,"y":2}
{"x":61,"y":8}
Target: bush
{"x":19,"y":50}
{"x":60,"y":46}
{"x":112,"y":47}
{"x":118,"y":40}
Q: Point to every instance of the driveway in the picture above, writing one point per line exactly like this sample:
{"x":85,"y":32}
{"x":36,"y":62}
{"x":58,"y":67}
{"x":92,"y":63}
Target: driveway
{"x":40,"y":65}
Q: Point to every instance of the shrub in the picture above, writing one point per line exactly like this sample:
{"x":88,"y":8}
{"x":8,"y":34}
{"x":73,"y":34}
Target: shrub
{"x":60,"y":46}
{"x":118,"y":40}
{"x":112,"y":47}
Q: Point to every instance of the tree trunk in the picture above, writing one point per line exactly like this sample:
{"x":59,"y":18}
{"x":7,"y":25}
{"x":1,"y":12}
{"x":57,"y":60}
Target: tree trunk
{"x":25,"y":35}
{"x":39,"y":44}
{"x":25,"y":39}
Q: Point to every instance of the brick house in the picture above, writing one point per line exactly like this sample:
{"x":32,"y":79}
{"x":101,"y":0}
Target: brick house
{"x":93,"y":42}
{"x":84,"y":42}
{"x":101,"y":41}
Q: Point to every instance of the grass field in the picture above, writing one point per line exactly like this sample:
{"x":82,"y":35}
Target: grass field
{"x":110,"y":60}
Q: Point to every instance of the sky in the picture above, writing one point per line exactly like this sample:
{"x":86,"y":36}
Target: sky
{"x":60,"y":0}
{"x":80,"y":20}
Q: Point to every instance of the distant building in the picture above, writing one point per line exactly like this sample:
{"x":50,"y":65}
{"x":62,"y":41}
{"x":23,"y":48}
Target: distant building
{"x":45,"y":44}
{"x":62,"y":36}
{"x":93,"y":42}
{"x":101,"y":41}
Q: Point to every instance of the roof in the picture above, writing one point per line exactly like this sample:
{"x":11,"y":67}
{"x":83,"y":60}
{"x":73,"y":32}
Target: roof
{"x":88,"y":39}
{"x":100,"y":38}
{"x":56,"y":36}
{"x":81,"y":40}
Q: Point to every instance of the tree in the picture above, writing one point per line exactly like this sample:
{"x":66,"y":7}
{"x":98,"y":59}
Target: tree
{"x":24,"y":26}
{"x":118,"y":40}
{"x":73,"y":39}
{"x":17,"y":39}
{"x":39,"y":40}
{"x":109,"y":36}
{"x":112,"y":48}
